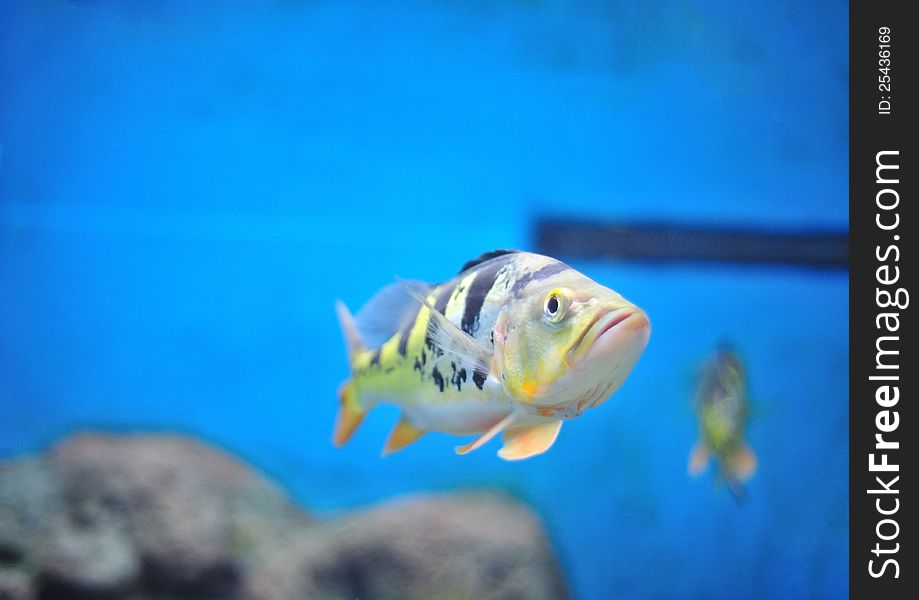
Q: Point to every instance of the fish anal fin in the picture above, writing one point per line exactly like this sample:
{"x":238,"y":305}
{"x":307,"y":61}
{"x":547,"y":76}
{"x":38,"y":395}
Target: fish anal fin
{"x":485,"y":437}
{"x":350,"y":414}
{"x":698,"y":459}
{"x":526,"y":441}
{"x":403,"y":434}
{"x":744,"y":463}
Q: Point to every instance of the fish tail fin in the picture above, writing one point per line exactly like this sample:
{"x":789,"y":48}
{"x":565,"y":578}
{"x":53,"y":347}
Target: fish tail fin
{"x":353,"y":341}
{"x":698,"y":459}
{"x":350,"y":413}
{"x":736,"y":488}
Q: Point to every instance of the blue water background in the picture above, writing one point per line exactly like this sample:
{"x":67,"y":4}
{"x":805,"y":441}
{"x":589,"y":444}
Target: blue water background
{"x":185,"y":189}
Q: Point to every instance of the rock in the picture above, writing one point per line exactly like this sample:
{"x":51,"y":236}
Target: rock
{"x":479,"y":546}
{"x":191,"y":512}
{"x":105,"y":515}
{"x":28,"y":503}
{"x":14,"y":585}
{"x":99,"y":561}
{"x":161,"y":517}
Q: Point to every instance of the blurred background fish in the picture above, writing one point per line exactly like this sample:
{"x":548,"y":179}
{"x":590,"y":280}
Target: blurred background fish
{"x":723,"y":409}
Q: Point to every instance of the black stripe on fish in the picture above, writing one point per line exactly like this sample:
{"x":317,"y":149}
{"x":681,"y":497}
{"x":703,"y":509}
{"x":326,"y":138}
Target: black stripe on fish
{"x":481,"y":284}
{"x":543,"y":273}
{"x":443,"y":296}
{"x":478,"y":377}
{"x":375,"y":359}
{"x":438,"y":378}
{"x":407,"y":330}
{"x":458,"y":377}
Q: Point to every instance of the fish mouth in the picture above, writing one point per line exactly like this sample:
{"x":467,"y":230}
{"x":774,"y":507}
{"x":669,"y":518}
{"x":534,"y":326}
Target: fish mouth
{"x":606,"y":325}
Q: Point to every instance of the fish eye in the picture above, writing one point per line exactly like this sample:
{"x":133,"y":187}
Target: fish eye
{"x":555,"y":306}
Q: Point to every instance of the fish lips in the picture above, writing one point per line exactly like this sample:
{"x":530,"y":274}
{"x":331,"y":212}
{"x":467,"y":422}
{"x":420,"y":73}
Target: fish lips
{"x":615,"y":339}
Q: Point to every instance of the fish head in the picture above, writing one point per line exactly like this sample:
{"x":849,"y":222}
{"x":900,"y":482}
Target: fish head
{"x":729,"y":370}
{"x":723,"y":379}
{"x":568,"y":343}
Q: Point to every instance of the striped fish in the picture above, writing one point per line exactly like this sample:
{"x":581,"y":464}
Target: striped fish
{"x":515,"y":344}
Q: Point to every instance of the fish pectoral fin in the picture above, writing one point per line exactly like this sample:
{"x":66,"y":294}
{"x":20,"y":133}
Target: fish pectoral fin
{"x":485,"y":437}
{"x":350,"y":414}
{"x":450,"y":338}
{"x":698,"y":459}
{"x":744,"y":463}
{"x":403,"y":434}
{"x":527,"y":441}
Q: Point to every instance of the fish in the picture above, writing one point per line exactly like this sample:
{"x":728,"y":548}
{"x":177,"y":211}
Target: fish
{"x":723,"y":410}
{"x":513,"y":345}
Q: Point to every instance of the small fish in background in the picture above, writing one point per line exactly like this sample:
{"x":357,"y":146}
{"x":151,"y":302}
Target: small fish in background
{"x":514,"y":344}
{"x":721,"y":403}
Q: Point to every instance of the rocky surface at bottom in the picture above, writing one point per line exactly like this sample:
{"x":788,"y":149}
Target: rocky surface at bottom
{"x":162,"y":517}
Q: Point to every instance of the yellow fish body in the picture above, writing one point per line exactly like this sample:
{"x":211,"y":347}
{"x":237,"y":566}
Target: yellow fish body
{"x":515,"y":344}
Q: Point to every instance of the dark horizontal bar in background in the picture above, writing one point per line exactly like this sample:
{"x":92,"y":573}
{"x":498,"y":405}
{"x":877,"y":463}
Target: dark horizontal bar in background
{"x":666,"y":242}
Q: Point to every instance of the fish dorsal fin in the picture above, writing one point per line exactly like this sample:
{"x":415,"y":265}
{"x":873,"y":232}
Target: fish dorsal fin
{"x":450,"y":338}
{"x":530,"y":440}
{"x":382,"y":316}
{"x":486,"y":256}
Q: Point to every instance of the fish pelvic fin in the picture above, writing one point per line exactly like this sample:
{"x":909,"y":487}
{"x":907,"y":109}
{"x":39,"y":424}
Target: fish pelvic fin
{"x":485,"y":437}
{"x":353,"y":341}
{"x":743,"y":463}
{"x":526,"y":441}
{"x":401,"y":436}
{"x":350,"y":414}
{"x":698,"y":459}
